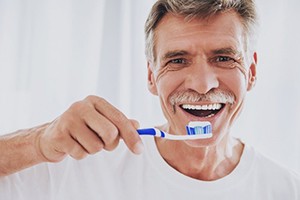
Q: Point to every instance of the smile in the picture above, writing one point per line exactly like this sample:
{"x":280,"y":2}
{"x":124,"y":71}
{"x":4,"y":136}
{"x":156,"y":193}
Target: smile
{"x":204,"y":111}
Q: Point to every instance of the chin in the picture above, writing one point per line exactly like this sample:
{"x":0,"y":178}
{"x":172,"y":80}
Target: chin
{"x":199,"y":143}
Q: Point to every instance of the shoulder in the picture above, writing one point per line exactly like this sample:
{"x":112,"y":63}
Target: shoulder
{"x":266,"y":163}
{"x":272,"y":172}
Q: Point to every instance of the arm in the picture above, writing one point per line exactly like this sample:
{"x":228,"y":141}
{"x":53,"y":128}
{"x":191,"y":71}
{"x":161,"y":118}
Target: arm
{"x":18,"y":150}
{"x":87,"y":127}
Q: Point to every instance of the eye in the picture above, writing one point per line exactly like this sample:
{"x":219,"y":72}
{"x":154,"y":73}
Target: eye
{"x":224,"y":62}
{"x":224,"y":59}
{"x":178,"y":61}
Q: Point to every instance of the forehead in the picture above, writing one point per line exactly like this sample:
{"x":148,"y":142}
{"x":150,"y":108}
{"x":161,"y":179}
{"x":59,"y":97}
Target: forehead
{"x":174,"y":32}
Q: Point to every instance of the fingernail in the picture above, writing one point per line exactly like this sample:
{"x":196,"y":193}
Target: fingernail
{"x":138,"y":148}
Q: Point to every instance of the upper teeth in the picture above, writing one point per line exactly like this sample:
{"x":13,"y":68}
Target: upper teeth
{"x":215,"y":106}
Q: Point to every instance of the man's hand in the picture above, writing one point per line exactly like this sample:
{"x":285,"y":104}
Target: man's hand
{"x":87,"y":127}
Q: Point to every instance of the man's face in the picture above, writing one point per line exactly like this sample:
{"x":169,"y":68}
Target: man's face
{"x":201,"y":57}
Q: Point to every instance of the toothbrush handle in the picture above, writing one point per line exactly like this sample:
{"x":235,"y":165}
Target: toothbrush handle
{"x":151,"y":131}
{"x":146,"y":131}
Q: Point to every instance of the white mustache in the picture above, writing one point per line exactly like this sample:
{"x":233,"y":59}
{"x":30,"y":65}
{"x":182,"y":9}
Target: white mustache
{"x":214,"y":95}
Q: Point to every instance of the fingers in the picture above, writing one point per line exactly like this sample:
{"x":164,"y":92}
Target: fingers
{"x":87,"y":139}
{"x":135,"y":123}
{"x":103,"y":129}
{"x":55,"y":142}
{"x":76,"y":151}
{"x":126,"y":128}
{"x":87,"y":127}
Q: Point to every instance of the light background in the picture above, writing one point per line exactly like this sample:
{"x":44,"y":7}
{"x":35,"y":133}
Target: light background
{"x":56,"y":52}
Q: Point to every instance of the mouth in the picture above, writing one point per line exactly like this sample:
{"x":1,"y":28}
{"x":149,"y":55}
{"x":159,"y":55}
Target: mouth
{"x":203,"y":111}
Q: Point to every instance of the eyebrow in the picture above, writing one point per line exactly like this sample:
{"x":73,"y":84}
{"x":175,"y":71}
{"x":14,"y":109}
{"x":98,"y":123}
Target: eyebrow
{"x":227,"y":51}
{"x":172,"y":54}
{"x":176,"y":53}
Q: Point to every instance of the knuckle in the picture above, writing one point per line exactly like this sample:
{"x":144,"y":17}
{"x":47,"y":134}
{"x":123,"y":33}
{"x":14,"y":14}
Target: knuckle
{"x":93,"y":98}
{"x":119,"y":118}
{"x":98,"y":146}
{"x":111,"y":135}
{"x":112,"y":146}
{"x":89,"y":98}
{"x":77,"y":105}
{"x":79,"y":156}
{"x":78,"y":109}
{"x":101,"y":102}
{"x":78,"y":153}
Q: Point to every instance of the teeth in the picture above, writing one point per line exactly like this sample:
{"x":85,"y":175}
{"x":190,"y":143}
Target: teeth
{"x":215,"y":106}
{"x":211,"y":115}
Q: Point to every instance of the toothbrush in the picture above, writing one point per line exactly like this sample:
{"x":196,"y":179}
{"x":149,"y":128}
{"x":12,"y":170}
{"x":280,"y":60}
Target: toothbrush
{"x":195,"y":130}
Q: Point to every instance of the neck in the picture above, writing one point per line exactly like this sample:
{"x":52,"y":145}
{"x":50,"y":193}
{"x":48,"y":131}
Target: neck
{"x":204,"y":163}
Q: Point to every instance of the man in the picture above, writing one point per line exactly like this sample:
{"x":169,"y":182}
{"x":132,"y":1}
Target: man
{"x":201,"y":63}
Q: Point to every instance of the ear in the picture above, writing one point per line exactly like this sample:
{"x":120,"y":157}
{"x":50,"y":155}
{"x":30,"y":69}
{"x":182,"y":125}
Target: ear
{"x":151,"y":81}
{"x":252,"y":72}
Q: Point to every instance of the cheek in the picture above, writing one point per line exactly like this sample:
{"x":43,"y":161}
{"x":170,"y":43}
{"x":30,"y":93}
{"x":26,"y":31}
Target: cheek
{"x":236,"y":81}
{"x":167,"y":83}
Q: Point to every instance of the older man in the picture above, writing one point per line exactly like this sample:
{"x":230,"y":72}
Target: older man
{"x":201,"y":63}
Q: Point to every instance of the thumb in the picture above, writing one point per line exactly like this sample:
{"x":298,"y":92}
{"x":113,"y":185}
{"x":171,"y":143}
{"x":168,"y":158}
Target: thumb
{"x":135,"y":123}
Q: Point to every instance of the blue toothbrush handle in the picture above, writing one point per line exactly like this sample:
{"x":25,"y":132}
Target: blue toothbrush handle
{"x":151,"y":131}
{"x":146,"y":131}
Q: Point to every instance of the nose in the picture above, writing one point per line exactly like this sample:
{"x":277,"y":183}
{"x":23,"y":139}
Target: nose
{"x":201,"y":78}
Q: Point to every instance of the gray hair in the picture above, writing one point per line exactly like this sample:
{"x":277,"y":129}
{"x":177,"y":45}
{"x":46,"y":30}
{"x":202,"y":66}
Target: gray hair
{"x":200,"y":9}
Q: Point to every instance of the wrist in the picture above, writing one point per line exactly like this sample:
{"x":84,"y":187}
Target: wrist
{"x":39,"y":131}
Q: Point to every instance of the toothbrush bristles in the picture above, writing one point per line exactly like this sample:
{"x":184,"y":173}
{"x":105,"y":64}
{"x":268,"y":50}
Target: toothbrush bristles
{"x":197,"y":130}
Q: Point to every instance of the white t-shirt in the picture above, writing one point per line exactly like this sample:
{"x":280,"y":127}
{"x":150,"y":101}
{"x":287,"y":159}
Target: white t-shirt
{"x":121,"y":175}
